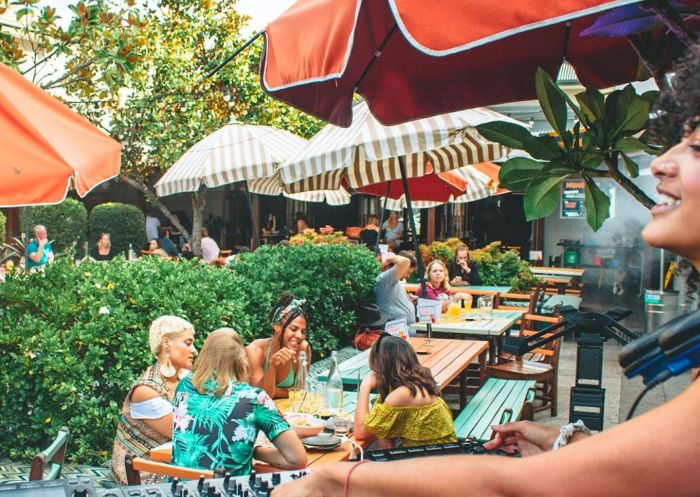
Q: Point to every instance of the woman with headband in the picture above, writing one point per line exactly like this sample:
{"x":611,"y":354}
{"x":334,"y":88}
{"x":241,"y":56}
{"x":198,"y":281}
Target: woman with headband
{"x":273,"y":361}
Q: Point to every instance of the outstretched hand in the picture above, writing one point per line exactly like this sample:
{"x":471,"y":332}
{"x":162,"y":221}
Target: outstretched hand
{"x":530,"y":438}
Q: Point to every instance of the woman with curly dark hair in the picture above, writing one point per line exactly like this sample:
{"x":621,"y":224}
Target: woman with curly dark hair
{"x":410,"y":410}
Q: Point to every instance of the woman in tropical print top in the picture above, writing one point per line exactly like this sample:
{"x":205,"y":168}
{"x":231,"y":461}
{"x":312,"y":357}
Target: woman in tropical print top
{"x":218,"y":415}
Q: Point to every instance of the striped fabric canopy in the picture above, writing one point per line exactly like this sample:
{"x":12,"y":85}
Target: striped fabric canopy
{"x":367,"y":152}
{"x":236,"y":152}
{"x":482,"y":182}
{"x":273,"y":186}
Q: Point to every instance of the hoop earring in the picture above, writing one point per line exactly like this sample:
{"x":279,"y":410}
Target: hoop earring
{"x":167,"y":369}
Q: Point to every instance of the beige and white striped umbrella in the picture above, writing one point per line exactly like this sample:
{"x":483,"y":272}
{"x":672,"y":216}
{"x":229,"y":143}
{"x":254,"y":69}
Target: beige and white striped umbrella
{"x":367,"y":152}
{"x":236,"y":152}
{"x":273,"y":186}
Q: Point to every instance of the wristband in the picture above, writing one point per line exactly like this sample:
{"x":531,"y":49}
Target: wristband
{"x":346,"y":486}
{"x":567,"y":431}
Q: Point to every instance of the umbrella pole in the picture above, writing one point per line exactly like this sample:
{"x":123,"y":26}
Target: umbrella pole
{"x":419,"y":262}
{"x":381,"y":217}
{"x":236,"y":52}
{"x":253,"y":221}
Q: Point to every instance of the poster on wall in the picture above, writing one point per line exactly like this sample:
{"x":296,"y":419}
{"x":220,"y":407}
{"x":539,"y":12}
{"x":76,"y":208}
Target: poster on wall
{"x":572,"y":194}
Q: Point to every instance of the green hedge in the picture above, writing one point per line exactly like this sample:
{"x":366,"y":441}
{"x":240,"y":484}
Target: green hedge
{"x":65,"y":223}
{"x":333,"y":279}
{"x":125,"y":224}
{"x":63,"y":362}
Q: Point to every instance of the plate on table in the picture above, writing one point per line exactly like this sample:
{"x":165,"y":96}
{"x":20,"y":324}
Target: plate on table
{"x":321,"y":442}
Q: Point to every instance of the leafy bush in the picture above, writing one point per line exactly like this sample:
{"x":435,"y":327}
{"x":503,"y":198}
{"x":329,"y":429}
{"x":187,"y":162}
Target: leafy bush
{"x":333,"y":278}
{"x":73,"y":340}
{"x":445,"y":251}
{"x":65,"y":223}
{"x":503,"y":268}
{"x":125,"y":224}
{"x":3,"y":233}
{"x":309,"y":236}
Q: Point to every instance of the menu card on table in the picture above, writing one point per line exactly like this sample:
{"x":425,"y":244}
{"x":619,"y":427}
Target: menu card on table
{"x":428,"y":310}
{"x":398,"y":328}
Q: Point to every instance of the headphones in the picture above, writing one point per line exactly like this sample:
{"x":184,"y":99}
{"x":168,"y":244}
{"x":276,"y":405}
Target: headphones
{"x":672,"y":349}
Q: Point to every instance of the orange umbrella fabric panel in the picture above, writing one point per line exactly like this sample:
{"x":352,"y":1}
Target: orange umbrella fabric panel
{"x":46,"y":147}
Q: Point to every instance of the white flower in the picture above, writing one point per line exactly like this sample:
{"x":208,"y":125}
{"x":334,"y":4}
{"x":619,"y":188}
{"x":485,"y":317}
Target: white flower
{"x":243,"y":433}
{"x":104,"y":310}
{"x":180,"y":417}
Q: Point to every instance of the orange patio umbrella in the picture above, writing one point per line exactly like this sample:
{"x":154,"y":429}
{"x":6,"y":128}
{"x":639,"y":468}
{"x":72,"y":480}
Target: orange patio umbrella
{"x":46,"y":148}
{"x":415,"y":58}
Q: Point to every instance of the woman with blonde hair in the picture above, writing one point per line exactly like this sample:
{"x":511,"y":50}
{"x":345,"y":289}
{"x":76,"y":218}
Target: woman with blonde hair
{"x":147,"y":413}
{"x":437,"y":284}
{"x":218,"y":414}
{"x":103,"y":250}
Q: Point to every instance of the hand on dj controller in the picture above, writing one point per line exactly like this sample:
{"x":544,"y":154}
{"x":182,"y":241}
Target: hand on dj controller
{"x":527,"y":437}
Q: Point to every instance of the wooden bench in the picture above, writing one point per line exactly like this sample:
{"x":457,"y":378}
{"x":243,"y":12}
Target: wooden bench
{"x":497,"y":401}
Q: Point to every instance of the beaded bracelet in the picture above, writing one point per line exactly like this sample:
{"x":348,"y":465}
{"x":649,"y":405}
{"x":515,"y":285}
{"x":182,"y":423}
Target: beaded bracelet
{"x":346,"y":486}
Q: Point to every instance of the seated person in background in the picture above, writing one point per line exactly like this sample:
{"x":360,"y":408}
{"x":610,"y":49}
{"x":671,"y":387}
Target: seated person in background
{"x":464,"y":272}
{"x":410,"y":410}
{"x":300,"y":223}
{"x":270,"y":225}
{"x":436,"y":285}
{"x":103,"y":251}
{"x":186,"y":252}
{"x":209,"y":248}
{"x":274,"y":361}
{"x":393,"y":230}
{"x":39,"y":251}
{"x":370,"y":325}
{"x":167,"y":244}
{"x":370,"y":233}
{"x":217,"y":415}
{"x":389,"y":292}
{"x":147,"y":413}
{"x":155,"y":249}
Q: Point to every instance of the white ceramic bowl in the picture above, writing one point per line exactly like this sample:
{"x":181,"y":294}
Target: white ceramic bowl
{"x":305,"y":425}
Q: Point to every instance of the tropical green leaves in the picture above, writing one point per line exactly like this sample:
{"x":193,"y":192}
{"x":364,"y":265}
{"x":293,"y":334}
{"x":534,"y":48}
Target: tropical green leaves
{"x":605,"y":133}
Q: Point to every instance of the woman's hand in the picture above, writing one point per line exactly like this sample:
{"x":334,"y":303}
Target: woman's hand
{"x":282,"y":357}
{"x":531,"y":438}
{"x":465,"y":297}
{"x":370,"y":382}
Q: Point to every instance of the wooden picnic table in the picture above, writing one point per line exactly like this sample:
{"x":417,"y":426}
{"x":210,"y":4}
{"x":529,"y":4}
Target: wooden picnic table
{"x":163,"y":453}
{"x":473,"y":324}
{"x":472,"y":289}
{"x":447,"y":359}
{"x":557,"y":271}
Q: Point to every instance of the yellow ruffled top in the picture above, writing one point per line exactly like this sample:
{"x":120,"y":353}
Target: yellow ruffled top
{"x":413,"y":425}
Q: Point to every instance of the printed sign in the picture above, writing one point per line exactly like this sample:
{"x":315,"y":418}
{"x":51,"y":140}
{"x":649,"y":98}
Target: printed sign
{"x":397,"y":327}
{"x":573,"y":193}
{"x":428,"y":310}
{"x":383,"y":248}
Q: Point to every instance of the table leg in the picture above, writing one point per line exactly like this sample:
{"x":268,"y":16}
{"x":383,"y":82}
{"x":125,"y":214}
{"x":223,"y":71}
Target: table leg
{"x":482,"y":368}
{"x":493,"y":350}
{"x":463,"y":389}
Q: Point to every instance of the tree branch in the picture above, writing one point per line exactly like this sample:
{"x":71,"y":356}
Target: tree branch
{"x":155,"y":201}
{"x":70,"y":73}
{"x":628,"y":184}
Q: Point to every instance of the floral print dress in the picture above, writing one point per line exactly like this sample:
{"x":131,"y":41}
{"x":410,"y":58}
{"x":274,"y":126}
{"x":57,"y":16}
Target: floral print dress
{"x":213,"y":432}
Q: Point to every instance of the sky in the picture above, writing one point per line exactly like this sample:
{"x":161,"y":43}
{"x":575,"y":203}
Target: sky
{"x":260,"y":11}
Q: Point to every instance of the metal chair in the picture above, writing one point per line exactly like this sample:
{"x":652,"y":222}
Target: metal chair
{"x":51,"y":459}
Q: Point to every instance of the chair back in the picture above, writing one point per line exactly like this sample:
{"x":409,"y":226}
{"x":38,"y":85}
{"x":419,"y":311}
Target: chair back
{"x":50,"y":461}
{"x":550,"y":351}
{"x":134,"y":465}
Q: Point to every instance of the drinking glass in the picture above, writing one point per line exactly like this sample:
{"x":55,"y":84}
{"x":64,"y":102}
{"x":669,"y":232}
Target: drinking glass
{"x":486,"y":306}
{"x":341,"y":426}
{"x":454,"y":308}
{"x":320,"y":399}
{"x":295,"y":397}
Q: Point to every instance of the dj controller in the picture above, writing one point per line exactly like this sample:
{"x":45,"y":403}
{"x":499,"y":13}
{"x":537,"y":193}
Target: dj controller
{"x":254,"y":485}
{"x":462,"y":447}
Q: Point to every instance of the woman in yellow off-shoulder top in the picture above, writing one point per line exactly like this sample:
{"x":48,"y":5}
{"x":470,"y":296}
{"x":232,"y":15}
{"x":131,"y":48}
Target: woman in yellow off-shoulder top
{"x":410,"y":410}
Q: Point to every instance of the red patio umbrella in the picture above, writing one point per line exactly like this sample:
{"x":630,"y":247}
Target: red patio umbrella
{"x":430,"y":187}
{"x":413,"y":58}
{"x":46,"y":148}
